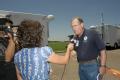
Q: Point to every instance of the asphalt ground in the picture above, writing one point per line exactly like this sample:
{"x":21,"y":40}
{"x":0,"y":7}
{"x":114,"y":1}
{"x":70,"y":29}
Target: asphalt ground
{"x":71,"y":70}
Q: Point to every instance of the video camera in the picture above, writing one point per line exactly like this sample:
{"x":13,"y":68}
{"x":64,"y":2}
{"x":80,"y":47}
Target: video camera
{"x":4,"y":30}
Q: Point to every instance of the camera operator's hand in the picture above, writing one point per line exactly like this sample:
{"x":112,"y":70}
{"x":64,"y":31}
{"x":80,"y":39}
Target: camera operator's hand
{"x":9,"y":53}
{"x":10,"y":37}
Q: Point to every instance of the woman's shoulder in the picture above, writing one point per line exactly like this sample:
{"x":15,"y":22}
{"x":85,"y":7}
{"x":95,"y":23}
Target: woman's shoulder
{"x":46,"y":48}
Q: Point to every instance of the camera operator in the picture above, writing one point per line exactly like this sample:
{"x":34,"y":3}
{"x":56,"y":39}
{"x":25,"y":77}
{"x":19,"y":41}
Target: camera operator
{"x":7,"y":67}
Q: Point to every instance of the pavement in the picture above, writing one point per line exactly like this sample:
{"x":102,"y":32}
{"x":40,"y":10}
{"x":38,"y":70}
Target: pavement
{"x":71,"y":70}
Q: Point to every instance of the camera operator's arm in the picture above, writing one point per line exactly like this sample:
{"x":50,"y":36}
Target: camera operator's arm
{"x":9,"y":53}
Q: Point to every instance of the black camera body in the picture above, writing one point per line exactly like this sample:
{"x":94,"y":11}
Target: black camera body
{"x":5,"y":28}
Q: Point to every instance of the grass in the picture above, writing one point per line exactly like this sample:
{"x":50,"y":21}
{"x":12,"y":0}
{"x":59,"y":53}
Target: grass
{"x":58,"y":46}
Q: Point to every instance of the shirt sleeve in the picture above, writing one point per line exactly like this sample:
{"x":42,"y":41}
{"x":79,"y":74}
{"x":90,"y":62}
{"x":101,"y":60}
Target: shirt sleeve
{"x":47,"y":52}
{"x":99,"y":42}
{"x":15,"y":58}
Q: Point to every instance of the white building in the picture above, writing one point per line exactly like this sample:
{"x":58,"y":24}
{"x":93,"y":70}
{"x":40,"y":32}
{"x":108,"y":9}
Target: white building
{"x":17,"y":17}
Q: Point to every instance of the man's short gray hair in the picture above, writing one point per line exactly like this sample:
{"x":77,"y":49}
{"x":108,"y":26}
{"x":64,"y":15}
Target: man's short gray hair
{"x":79,"y":19}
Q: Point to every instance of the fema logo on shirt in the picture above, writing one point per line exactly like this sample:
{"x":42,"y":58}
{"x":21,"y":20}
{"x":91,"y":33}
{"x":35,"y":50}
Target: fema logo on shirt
{"x":85,"y":38}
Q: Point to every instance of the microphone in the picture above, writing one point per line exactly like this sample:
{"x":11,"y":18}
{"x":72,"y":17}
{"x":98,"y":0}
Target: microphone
{"x":99,"y":76}
{"x":75,"y":40}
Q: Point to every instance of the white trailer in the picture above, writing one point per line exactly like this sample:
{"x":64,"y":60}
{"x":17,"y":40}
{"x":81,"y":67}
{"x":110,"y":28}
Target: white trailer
{"x":110,"y":35}
{"x":17,"y":17}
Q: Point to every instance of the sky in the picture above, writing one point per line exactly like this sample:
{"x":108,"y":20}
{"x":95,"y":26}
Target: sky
{"x":65,"y":10}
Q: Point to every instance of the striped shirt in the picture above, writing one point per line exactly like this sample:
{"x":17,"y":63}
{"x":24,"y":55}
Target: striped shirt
{"x":32,"y":63}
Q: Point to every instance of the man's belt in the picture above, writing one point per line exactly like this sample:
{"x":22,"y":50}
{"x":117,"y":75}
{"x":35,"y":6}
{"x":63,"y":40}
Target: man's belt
{"x":88,"y":61}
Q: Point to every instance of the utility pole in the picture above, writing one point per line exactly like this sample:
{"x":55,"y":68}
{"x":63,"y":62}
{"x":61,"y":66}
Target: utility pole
{"x":102,"y":28}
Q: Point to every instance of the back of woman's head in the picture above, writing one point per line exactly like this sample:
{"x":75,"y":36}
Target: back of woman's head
{"x":29,"y":34}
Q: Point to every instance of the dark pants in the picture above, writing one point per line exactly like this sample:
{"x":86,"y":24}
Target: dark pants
{"x":2,"y":71}
{"x":7,"y":71}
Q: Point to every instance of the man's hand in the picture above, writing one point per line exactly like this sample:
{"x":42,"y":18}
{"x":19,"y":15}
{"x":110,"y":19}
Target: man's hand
{"x":9,"y":52}
{"x":10,"y":37}
{"x":102,"y":70}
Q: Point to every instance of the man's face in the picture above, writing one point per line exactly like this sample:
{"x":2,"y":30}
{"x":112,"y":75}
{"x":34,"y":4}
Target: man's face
{"x":77,"y":27}
{"x":14,"y":29}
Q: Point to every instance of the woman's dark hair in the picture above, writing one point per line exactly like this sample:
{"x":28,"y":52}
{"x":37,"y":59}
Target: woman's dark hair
{"x":29,"y":34}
